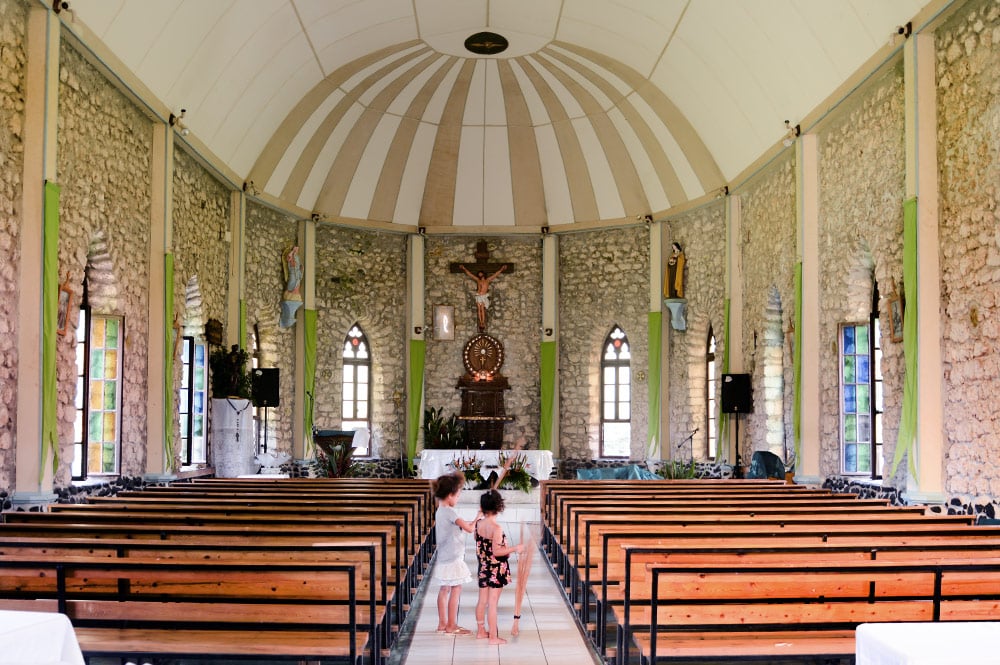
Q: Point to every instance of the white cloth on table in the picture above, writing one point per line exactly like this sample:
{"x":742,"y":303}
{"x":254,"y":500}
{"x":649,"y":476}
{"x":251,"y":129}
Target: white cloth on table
{"x":37,"y":638}
{"x":434,"y":462}
{"x":919,"y":643}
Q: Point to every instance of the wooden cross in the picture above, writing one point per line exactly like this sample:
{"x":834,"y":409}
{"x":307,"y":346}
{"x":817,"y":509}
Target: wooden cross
{"x":482,"y":263}
{"x":483,"y":272}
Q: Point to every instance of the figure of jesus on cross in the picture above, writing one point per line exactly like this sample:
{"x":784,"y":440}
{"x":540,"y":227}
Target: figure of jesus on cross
{"x":483,"y":292}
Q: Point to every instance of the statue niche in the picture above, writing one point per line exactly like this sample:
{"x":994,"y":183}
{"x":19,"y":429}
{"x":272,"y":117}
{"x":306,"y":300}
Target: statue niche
{"x":482,"y":386}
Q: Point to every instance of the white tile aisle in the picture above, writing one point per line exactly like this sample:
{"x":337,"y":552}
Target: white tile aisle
{"x":549,"y":635}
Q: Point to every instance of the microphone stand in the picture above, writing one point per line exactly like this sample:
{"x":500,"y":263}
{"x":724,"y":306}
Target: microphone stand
{"x":690,"y":437}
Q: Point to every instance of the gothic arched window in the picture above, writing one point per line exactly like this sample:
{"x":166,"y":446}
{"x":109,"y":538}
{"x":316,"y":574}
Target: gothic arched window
{"x":616,"y":395}
{"x":356,"y":401}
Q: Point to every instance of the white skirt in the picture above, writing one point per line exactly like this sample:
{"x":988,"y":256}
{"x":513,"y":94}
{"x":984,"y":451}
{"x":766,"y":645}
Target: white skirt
{"x":452,"y":573}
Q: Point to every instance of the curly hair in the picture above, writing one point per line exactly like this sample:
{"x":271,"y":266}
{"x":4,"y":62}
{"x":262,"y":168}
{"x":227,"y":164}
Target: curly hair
{"x":491,"y":502}
{"x":448,"y":484}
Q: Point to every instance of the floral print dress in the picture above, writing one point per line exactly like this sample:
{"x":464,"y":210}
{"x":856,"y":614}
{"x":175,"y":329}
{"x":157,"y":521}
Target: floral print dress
{"x":494,"y":572}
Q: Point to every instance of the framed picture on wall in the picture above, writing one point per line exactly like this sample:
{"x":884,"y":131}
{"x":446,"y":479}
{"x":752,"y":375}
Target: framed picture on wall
{"x":65,"y":305}
{"x":444,"y":322}
{"x":896,"y":318}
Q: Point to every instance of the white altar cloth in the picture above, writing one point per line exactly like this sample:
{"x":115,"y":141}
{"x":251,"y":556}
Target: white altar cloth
{"x":38,"y":638}
{"x":434,"y":463}
{"x":939,"y":643}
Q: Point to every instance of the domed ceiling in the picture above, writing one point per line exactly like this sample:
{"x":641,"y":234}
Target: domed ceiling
{"x":596,"y":111}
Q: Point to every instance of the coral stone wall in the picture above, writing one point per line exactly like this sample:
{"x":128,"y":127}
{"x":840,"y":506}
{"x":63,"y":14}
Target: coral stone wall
{"x":268,"y":234}
{"x":769,"y":256}
{"x":201,"y":216}
{"x":968,"y":79}
{"x":514,"y":318}
{"x":103,"y":167}
{"x":861,"y":171}
{"x":603,"y":280}
{"x":12,"y":71}
{"x":699,"y":233}
{"x":361,"y":278}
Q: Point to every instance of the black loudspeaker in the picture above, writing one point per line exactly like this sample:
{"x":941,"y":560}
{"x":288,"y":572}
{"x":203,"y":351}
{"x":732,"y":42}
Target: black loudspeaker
{"x":265,"y":386}
{"x":737,"y":396}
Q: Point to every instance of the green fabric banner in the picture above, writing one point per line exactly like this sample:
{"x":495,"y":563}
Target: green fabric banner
{"x":309,"y":319}
{"x":50,"y":324}
{"x":797,"y":365}
{"x":722,"y":443}
{"x":908,"y":417}
{"x":170,"y":341}
{"x":549,"y":365}
{"x":418,"y":355}
{"x":655,"y":352}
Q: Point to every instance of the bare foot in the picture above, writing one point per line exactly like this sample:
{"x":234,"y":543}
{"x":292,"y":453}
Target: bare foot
{"x":497,"y":640}
{"x":515,"y":628}
{"x":481,"y":633}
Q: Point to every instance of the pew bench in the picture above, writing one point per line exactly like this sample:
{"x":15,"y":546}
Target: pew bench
{"x":790,"y":611}
{"x":147,"y":608}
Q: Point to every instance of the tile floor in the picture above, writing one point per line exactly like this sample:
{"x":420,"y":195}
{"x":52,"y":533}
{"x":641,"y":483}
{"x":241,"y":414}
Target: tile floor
{"x":550,"y":634}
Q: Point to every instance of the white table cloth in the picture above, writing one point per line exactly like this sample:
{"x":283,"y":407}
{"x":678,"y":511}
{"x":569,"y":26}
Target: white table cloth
{"x":38,"y":638}
{"x":434,"y":463}
{"x":941,"y":643}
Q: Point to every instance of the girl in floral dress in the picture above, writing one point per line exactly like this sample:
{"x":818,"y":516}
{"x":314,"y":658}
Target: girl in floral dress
{"x":492,"y":551}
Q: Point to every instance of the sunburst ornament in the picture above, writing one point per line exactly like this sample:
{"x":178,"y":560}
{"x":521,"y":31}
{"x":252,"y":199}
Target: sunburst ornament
{"x":483,"y":357}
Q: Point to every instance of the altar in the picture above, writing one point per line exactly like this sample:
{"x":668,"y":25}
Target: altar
{"x":435,"y":462}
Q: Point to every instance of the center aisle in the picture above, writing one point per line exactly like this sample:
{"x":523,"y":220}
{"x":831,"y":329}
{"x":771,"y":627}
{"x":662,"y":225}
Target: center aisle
{"x":550,"y":634}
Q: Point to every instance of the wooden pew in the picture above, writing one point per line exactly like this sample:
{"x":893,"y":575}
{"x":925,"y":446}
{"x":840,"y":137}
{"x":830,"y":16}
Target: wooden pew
{"x":794,"y":610}
{"x":149,"y":608}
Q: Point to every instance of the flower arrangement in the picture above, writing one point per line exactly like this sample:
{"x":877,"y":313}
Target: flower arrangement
{"x":517,"y":476}
{"x":471,"y":467}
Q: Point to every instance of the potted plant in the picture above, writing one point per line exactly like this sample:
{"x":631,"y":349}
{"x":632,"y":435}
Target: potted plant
{"x":517,"y":476}
{"x":230,"y":373}
{"x":441,"y":432}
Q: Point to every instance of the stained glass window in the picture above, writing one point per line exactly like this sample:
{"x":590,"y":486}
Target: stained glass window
{"x":616,"y":383}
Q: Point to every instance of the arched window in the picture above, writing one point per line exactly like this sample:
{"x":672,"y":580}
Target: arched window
{"x":861,"y":394}
{"x":616,"y":395}
{"x":711,"y":390}
{"x":355,"y":412}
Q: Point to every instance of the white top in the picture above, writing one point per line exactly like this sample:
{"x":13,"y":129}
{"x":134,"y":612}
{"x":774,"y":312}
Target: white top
{"x":38,"y":638}
{"x":939,"y":643}
{"x":450,"y":537}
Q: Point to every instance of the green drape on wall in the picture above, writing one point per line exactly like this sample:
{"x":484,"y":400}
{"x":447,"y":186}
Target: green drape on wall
{"x":50,"y":323}
{"x":418,"y":353}
{"x":722,"y":442}
{"x":548,"y":367}
{"x":309,"y":319}
{"x":655,"y":364}
{"x":242,"y":330}
{"x":797,"y":365}
{"x":170,"y":339}
{"x":908,"y":417}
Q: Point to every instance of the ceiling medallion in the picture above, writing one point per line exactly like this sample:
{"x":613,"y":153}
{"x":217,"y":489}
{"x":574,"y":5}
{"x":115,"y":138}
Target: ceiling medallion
{"x":486,"y":43}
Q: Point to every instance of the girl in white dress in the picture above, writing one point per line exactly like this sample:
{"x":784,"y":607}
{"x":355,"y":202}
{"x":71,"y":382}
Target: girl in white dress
{"x":450,"y":569}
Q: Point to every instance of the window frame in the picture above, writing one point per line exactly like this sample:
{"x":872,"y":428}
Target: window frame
{"x":711,"y":396}
{"x":618,"y":363}
{"x":874,"y":444}
{"x":81,"y":444}
{"x":356,"y":422}
{"x":190,"y":346}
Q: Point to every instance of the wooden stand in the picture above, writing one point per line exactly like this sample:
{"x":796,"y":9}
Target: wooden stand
{"x":483,"y":411}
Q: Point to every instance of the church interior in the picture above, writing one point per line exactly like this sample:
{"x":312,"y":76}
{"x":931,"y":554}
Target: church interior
{"x":682,"y":236}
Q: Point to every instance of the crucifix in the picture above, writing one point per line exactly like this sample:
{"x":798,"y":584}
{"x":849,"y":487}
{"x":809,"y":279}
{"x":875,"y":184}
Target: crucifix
{"x":482,"y":272}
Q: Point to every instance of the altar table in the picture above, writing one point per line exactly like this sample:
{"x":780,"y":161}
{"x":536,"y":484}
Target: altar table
{"x":435,"y":463}
{"x":938,"y":643}
{"x":38,"y":638}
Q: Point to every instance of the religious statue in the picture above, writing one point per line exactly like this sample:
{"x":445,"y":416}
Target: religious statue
{"x":291,"y":299}
{"x":673,"y":285}
{"x":482,"y":292}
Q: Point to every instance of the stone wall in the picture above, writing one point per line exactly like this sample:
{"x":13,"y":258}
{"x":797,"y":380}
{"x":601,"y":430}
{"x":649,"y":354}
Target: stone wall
{"x":514,"y":319}
{"x":698,"y":233}
{"x":968,"y":76}
{"x":269,"y":233}
{"x":103,"y":166}
{"x":603,"y":280}
{"x":12,"y":88}
{"x":861,"y":173}
{"x":361,"y":278}
{"x":769,"y":256}
{"x":201,"y":216}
